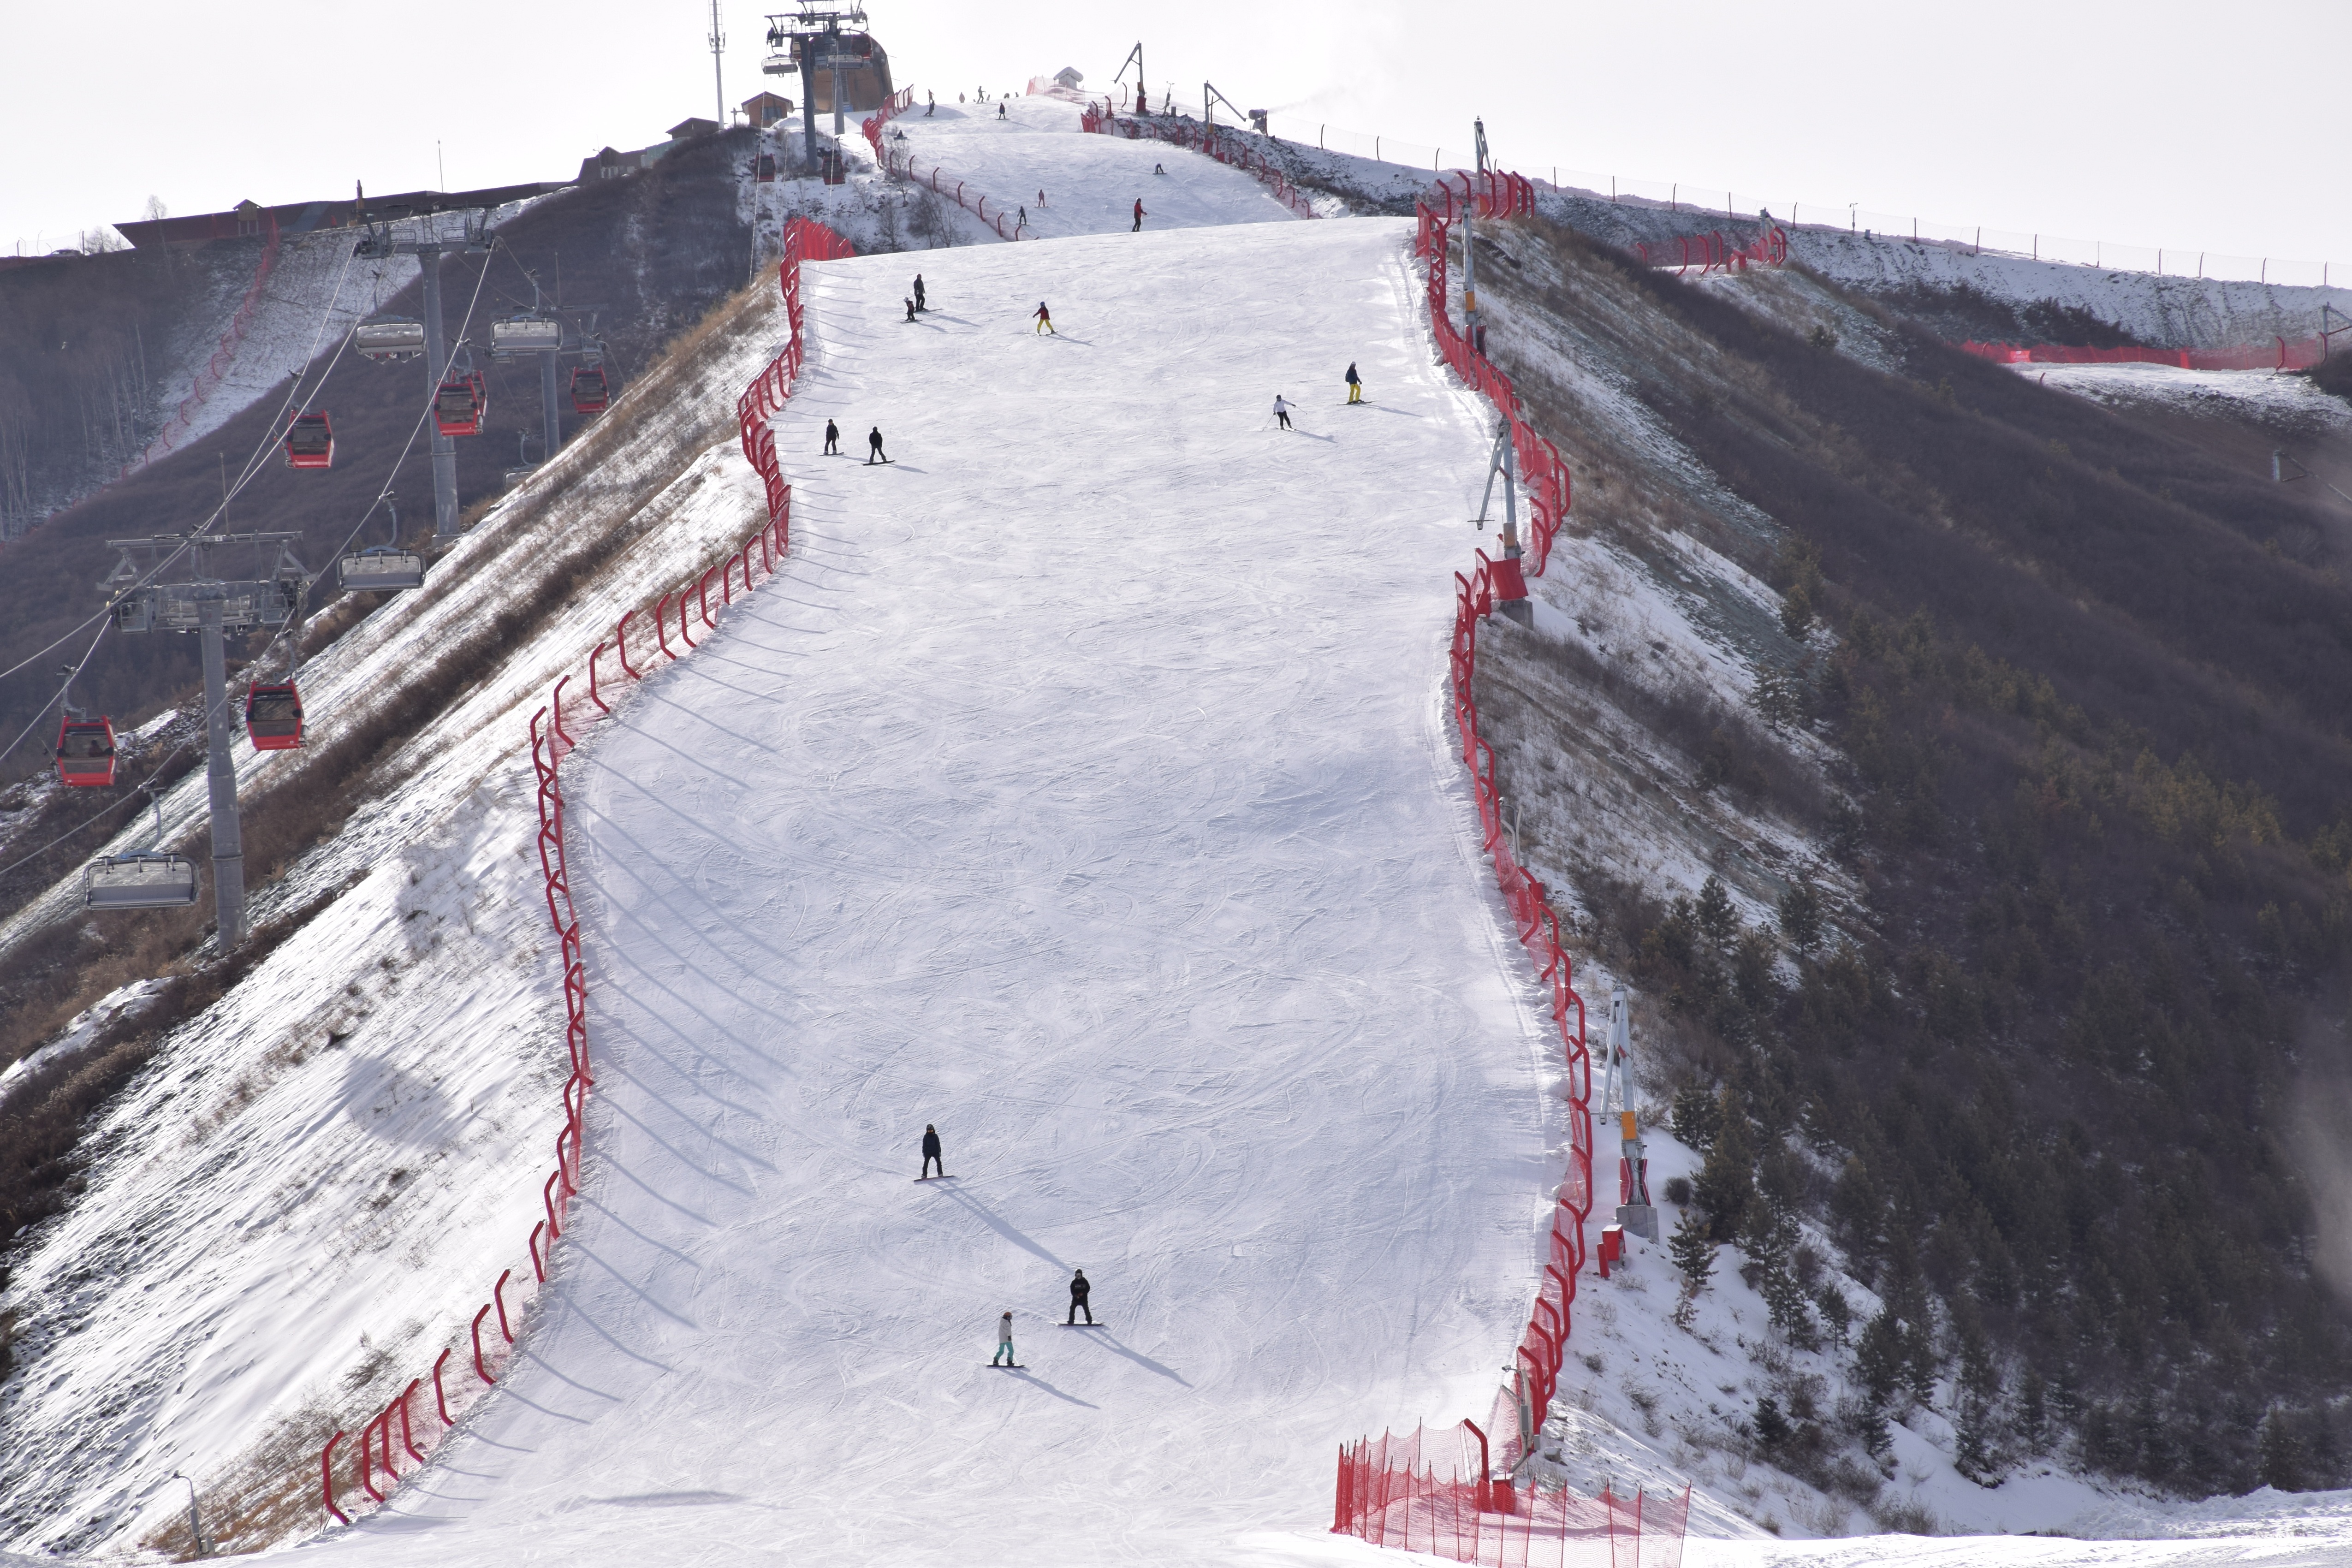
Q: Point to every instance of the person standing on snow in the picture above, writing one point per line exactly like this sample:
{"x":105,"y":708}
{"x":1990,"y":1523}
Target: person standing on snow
{"x":1000,"y":109}
{"x":831,"y":439}
{"x":1041,"y":201}
{"x":1003,"y":1356}
{"x":910,"y":307}
{"x":931,"y":1153}
{"x":931,"y":104}
{"x":919,"y":303}
{"x":1139,"y":216}
{"x":1044,"y":318}
{"x":1078,"y":1289}
{"x":874,"y":453}
{"x":1355,"y":384}
{"x":1282,"y":410}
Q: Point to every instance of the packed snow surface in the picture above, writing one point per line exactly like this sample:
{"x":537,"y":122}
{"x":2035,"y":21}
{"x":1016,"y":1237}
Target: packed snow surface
{"x":1082,"y":786}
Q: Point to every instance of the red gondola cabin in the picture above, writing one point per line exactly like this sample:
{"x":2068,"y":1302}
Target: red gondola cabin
{"x":86,"y":753}
{"x":589,"y":393}
{"x":273,"y":716}
{"x":310,"y":442}
{"x":459,"y":404}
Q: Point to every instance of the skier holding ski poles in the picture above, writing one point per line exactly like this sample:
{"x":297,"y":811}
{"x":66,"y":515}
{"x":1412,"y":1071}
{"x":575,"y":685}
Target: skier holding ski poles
{"x":1282,"y":410}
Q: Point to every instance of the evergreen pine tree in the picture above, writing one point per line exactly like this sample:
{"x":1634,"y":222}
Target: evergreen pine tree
{"x":2281,"y":1453}
{"x":1878,"y":1357}
{"x":1717,"y":917}
{"x":1727,"y":1182}
{"x":1692,"y":1247}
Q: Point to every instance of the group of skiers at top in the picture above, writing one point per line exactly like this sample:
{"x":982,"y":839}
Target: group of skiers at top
{"x":934,"y":1159}
{"x":917,"y":303}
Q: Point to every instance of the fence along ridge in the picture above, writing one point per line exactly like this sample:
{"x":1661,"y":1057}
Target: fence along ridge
{"x":1387,"y":1489}
{"x":551,"y":743}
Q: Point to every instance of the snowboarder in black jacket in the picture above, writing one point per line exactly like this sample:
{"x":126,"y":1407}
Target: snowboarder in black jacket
{"x":874,"y":452}
{"x":831,"y":439}
{"x":931,"y":1153}
{"x":1078,"y":1289}
{"x":920,"y":303}
{"x":1355,"y":384}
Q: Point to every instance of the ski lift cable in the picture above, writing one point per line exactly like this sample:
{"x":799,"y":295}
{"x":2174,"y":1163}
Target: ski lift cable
{"x":63,"y":687}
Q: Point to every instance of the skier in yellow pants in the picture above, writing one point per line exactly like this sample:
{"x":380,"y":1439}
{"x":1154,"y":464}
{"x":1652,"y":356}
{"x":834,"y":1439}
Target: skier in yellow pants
{"x":1355,"y":384}
{"x":1044,"y":318}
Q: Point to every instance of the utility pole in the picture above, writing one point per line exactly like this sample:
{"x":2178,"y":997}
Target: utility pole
{"x":717,"y":74}
{"x":211,"y":608}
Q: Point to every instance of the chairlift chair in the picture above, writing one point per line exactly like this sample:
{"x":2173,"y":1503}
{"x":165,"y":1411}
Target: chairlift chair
{"x":273,"y":716}
{"x":526,"y":334}
{"x":380,"y":569}
{"x":144,"y":879}
{"x":310,"y":442}
{"x":86,"y":753}
{"x":590,"y":391}
{"x":386,"y":337}
{"x":459,"y":404}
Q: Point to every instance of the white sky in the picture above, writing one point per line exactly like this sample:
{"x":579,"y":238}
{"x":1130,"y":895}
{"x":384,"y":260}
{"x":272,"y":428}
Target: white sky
{"x":2195,"y":127}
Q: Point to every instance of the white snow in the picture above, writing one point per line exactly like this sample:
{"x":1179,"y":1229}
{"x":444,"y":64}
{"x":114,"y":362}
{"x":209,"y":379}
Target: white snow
{"x":1082,"y":787}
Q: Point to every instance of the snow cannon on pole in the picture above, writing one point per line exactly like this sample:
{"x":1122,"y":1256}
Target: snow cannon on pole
{"x":1636,"y":1212}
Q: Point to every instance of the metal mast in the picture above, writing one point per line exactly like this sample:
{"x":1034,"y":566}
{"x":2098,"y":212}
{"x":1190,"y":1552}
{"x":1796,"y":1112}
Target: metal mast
{"x":717,"y":74}
{"x":377,"y":240}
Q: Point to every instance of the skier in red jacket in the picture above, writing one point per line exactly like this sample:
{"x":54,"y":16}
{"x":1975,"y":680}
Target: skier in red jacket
{"x":1139,"y":216}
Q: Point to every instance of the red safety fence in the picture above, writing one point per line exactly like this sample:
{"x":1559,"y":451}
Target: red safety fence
{"x":1389,"y":1493}
{"x":1541,"y":469}
{"x":2276,"y":355}
{"x":1373,"y":1485}
{"x":1712,"y":252}
{"x":1210,"y":141}
{"x":375,"y":1466}
{"x":223,"y":355}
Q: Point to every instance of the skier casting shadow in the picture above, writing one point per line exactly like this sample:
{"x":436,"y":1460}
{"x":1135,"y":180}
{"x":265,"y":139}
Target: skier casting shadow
{"x":1355,"y":384}
{"x":831,"y":439}
{"x":931,"y":1153}
{"x":1281,"y":411}
{"x":920,"y":303}
{"x":1079,"y":1290}
{"x":874,"y":453}
{"x":1044,"y":318}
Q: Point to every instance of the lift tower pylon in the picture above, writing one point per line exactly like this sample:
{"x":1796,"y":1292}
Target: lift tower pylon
{"x":212,"y":607}
{"x":377,"y":238}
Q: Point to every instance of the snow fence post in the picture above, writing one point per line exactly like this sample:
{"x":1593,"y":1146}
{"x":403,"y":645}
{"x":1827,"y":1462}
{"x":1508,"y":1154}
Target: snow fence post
{"x":440,"y":1395}
{"x":479,"y":1371}
{"x":407,"y":1440}
{"x":498,"y":1295}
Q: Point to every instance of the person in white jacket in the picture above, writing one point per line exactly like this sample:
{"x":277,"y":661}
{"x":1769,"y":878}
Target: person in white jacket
{"x":1003,"y":1356}
{"x":1282,"y":410}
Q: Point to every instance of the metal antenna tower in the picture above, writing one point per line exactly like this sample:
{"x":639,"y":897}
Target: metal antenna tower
{"x":718,"y":75}
{"x":211,"y":608}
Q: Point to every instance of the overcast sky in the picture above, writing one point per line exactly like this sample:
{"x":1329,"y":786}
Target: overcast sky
{"x":2197,"y":127}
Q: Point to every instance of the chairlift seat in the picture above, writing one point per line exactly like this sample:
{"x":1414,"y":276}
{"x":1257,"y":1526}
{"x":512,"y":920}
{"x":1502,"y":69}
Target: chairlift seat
{"x":146,"y":880}
{"x":390,"y":337}
{"x":459,"y":404}
{"x":526,"y":335}
{"x":273,"y":716}
{"x":380,"y":570}
{"x":310,"y":442}
{"x":86,"y":753}
{"x":590,"y":391}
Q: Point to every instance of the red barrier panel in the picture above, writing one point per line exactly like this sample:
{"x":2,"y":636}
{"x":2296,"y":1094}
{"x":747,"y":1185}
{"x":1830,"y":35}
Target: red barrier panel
{"x":549,"y":745}
{"x":2276,"y":355}
{"x":1389,"y":1493}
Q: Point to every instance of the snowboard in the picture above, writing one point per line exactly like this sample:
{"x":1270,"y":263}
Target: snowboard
{"x":947,"y":1177}
{"x":1005,"y":1366}
{"x":1085,"y":1325}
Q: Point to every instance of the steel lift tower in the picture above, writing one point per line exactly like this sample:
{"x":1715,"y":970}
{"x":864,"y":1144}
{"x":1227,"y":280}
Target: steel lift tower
{"x":377,"y":238}
{"x":817,"y":39}
{"x":213,"y":608}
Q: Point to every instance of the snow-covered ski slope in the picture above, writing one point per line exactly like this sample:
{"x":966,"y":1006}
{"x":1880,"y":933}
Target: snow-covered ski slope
{"x":1081,"y":787}
{"x":1091,"y":184}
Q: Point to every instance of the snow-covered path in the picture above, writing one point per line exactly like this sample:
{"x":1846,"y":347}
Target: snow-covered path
{"x":1081,"y":787}
{"x":1091,"y":184}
